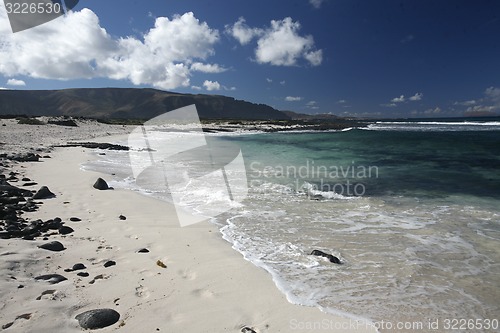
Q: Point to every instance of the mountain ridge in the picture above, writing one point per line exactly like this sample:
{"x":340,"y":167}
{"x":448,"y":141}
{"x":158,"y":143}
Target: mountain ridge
{"x":128,"y":103}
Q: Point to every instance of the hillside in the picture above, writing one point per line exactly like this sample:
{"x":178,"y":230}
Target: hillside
{"x":127,"y":103}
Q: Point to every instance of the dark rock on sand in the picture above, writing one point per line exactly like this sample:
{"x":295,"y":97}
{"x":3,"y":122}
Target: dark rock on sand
{"x":65,"y":230}
{"x":109,"y":263}
{"x":43,"y":193}
{"x":75,"y":219}
{"x":83,"y":274}
{"x":53,"y":246}
{"x":66,"y":122}
{"x":76,"y":267}
{"x":122,"y":217}
{"x":51,"y":278}
{"x":97,"y":318}
{"x":330,"y":257}
{"x":94,"y":145}
{"x":247,"y":330}
{"x":143,"y":251}
{"x":101,"y":184}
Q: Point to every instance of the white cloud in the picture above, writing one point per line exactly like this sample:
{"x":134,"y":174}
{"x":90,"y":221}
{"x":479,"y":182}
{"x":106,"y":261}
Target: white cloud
{"x":15,"y":82}
{"x":389,"y":105}
{"x":481,"y":108}
{"x":242,"y":32}
{"x":316,"y":3}
{"x":493,"y":94}
{"x":196,"y":87}
{"x":211,"y":85}
{"x":269,"y":80}
{"x":280,"y":44}
{"x":416,"y":97}
{"x":431,"y":111}
{"x":76,"y":46}
{"x":207,"y":68}
{"x":466,"y":103}
{"x":399,"y":99}
{"x":341,"y":101}
{"x":283,"y":82}
{"x":293,"y":98}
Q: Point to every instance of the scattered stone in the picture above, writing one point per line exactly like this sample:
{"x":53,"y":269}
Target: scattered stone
{"x":161,"y":264}
{"x":143,"y":251}
{"x":101,"y":184}
{"x":43,"y":193}
{"x":68,"y":122}
{"x":83,"y":274}
{"x":26,"y":179}
{"x":246,"y":329}
{"x":7,"y":325}
{"x":46,"y":292}
{"x":30,"y":184}
{"x":53,"y":246}
{"x":97,"y":318}
{"x":122,"y":217}
{"x":109,"y":263}
{"x":65,"y":230}
{"x":97,"y":277}
{"x":330,"y":257}
{"x":94,"y":145}
{"x":51,"y":278}
{"x":75,"y":219}
{"x":75,"y":267}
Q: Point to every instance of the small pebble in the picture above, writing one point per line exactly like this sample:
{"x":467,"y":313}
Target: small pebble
{"x":109,"y":263}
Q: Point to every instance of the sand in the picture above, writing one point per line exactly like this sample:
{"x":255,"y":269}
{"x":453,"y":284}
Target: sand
{"x":191,"y":280}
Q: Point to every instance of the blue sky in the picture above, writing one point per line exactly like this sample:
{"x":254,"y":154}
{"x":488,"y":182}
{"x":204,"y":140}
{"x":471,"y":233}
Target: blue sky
{"x":422,"y":58}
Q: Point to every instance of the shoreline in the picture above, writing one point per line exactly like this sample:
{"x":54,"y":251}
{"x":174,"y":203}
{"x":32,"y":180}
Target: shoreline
{"x":206,"y":286}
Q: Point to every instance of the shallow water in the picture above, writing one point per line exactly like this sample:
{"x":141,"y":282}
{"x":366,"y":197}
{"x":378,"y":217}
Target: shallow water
{"x":411,"y":209}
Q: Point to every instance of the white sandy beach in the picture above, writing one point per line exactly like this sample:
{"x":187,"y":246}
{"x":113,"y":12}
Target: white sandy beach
{"x":206,"y":285}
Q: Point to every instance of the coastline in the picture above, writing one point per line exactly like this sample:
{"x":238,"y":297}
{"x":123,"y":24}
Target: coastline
{"x":205,"y":287}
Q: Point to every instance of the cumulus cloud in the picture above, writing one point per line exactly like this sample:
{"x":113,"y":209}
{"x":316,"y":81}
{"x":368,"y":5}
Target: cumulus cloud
{"x":76,"y":46}
{"x":402,"y":99}
{"x":15,"y":82}
{"x":293,"y":98}
{"x":399,"y":99}
{"x":242,"y":32}
{"x":466,"y":103}
{"x":416,"y":97}
{"x":280,"y":44}
{"x":211,"y":85}
{"x":207,"y":68}
{"x":493,"y":94}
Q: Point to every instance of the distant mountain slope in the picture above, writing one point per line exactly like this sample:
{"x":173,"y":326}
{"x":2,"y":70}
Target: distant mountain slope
{"x":127,"y":103}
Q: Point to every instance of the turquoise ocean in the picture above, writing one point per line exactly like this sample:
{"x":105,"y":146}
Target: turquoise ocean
{"x":411,"y":208}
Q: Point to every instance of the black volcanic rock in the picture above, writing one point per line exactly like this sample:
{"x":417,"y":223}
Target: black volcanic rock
{"x":330,"y":257}
{"x":97,"y":318}
{"x":101,"y":184}
{"x":65,"y":230}
{"x":43,"y":193}
{"x":53,"y":246}
{"x":51,"y":278}
{"x":109,"y":263}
